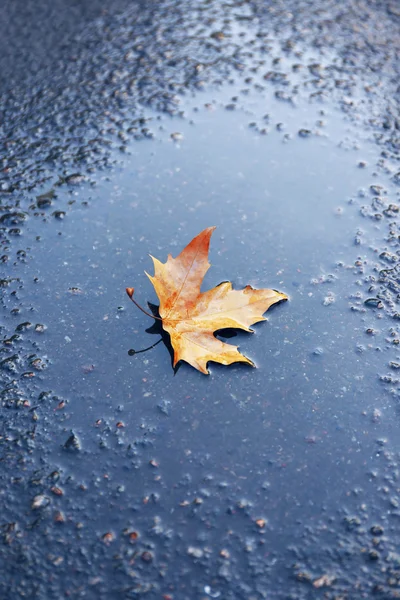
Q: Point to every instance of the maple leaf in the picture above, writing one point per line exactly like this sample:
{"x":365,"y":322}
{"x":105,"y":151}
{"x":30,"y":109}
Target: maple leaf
{"x":191,"y":317}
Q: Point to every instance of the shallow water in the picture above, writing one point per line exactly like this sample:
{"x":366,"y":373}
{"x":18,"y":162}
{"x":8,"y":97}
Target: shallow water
{"x":298,"y":418}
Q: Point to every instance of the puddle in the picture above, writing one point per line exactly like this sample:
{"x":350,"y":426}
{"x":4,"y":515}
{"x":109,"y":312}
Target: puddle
{"x":311,"y":412}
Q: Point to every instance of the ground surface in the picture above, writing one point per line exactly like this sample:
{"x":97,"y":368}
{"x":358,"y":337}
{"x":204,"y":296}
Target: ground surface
{"x":126,"y":129}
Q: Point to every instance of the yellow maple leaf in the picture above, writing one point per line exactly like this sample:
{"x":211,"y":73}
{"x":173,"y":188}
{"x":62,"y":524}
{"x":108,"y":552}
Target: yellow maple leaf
{"x":191,"y":317}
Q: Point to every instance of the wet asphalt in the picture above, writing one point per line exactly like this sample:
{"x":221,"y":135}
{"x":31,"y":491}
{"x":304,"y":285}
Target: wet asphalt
{"x":124,"y":130}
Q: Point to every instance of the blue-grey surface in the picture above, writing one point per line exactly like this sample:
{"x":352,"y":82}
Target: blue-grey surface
{"x":144,"y":125}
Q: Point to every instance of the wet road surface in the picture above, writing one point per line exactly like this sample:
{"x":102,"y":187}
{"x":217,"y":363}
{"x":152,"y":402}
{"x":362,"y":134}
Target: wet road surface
{"x":145,"y":124}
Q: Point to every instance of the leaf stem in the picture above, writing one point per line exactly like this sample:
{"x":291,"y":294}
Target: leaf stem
{"x":132,"y":352}
{"x":130,"y":292}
